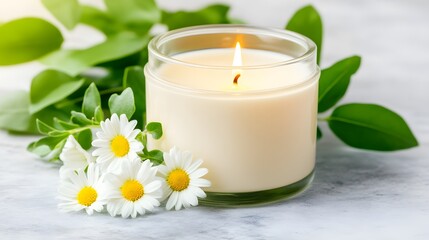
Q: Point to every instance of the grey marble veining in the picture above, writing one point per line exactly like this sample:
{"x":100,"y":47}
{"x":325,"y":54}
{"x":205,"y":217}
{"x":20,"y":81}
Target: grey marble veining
{"x":355,"y":194}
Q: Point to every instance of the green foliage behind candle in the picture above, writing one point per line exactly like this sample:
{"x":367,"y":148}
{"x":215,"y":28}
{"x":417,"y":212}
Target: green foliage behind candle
{"x":126,"y":25}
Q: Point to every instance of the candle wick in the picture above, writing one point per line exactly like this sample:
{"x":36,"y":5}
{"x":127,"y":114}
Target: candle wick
{"x":236,"y":79}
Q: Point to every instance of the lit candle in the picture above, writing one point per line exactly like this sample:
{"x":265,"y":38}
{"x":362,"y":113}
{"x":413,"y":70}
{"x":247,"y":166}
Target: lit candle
{"x":237,"y":62}
{"x":254,"y":129}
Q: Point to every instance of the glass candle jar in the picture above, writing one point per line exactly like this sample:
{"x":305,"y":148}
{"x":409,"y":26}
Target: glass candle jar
{"x":244,"y":100}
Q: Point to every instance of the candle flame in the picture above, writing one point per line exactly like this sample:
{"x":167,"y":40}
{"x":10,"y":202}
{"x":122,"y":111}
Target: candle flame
{"x":237,"y":56}
{"x":237,"y":62}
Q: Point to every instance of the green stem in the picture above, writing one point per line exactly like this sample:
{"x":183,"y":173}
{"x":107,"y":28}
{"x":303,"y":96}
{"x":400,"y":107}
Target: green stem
{"x":155,"y":160}
{"x":325,"y":119}
{"x":80,"y":99}
{"x":76,"y":130}
{"x":112,"y":90}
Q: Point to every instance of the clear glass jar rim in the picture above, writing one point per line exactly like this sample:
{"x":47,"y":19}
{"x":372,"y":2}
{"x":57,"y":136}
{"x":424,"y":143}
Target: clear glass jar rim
{"x":219,"y":93}
{"x":157,"y":41}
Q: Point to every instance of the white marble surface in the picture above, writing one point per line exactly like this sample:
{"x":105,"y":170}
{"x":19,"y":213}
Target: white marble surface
{"x":355,"y":194}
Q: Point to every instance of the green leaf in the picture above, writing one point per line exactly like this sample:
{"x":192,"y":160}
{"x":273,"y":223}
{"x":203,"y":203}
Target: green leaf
{"x":135,"y":79}
{"x":58,"y":133}
{"x":15,"y":116}
{"x":123,"y":104}
{"x":80,"y":119}
{"x":40,"y":151}
{"x":27,"y":39}
{"x":54,"y":155}
{"x":236,"y":21}
{"x":98,"y":114}
{"x":115,"y":47}
{"x":43,"y":127}
{"x":142,"y":137}
{"x":108,"y":79}
{"x":308,"y":22}
{"x":49,"y":87}
{"x":91,"y":101}
{"x":335,"y":80}
{"x":213,"y":14}
{"x":84,"y":138}
{"x":136,"y":15}
{"x":155,"y":156}
{"x":47,"y":115}
{"x":50,"y":142}
{"x":319,"y":133}
{"x":155,"y":129}
{"x":47,"y":145}
{"x":65,"y":11}
{"x":60,"y":124}
{"x":370,"y":126}
{"x":100,"y":20}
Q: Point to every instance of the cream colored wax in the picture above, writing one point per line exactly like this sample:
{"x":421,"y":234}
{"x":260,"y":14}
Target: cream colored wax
{"x":257,"y":135}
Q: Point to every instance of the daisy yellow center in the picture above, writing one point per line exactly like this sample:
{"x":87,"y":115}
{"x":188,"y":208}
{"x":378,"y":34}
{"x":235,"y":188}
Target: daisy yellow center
{"x":178,"y":180}
{"x":87,"y":196}
{"x":120,"y":146}
{"x":132,"y":190}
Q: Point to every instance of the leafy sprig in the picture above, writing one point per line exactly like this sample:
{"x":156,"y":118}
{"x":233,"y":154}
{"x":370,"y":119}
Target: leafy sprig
{"x":114,"y":66}
{"x":365,"y":126}
{"x":81,"y":126}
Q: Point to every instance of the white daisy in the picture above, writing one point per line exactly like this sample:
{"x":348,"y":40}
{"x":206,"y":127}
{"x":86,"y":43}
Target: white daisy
{"x":116,"y":141}
{"x":183,"y":180}
{"x":74,"y":157}
{"x":79,"y":191}
{"x":133,"y":190}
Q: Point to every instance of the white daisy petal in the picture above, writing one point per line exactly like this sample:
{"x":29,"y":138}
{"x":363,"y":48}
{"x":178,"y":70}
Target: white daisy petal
{"x":195,"y":165}
{"x":123,"y":120}
{"x":168,"y":161}
{"x":119,"y":206}
{"x":185,"y":204}
{"x":172,"y":200}
{"x":197,"y":191}
{"x":198,"y":173}
{"x":67,"y":185}
{"x":76,"y":180}
{"x":74,"y":156}
{"x":82,"y":190}
{"x":127,"y":209}
{"x":190,"y":197}
{"x":89,"y":211}
{"x":128,"y":195}
{"x":100,"y":142}
{"x":152,"y":187}
{"x":153,"y":201}
{"x":165,"y":193}
{"x":66,"y":193}
{"x":129,"y":127}
{"x":97,"y":207}
{"x":134,"y":133}
{"x":110,"y":127}
{"x":69,"y":208}
{"x":200,"y":182}
{"x":136,"y":146}
{"x":144,"y":174}
{"x":116,"y":140}
{"x":147,"y":205}
{"x":100,"y":134}
{"x":163,"y":170}
{"x":182,"y":178}
{"x":185,"y":159}
{"x":179,"y":202}
{"x":110,"y":209}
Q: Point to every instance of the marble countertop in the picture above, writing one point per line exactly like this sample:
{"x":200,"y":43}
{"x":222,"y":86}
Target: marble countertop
{"x":355,"y":194}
